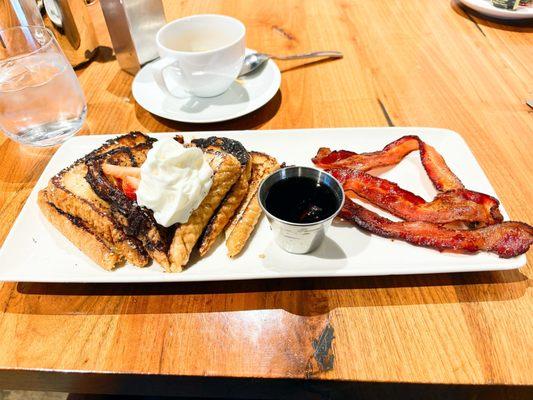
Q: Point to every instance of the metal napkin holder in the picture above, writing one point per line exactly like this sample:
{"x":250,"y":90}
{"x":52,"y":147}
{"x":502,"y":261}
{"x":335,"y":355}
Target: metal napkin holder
{"x":132,"y":26}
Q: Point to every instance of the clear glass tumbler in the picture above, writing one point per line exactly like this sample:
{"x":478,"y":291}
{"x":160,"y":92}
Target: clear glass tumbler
{"x":41,"y":101}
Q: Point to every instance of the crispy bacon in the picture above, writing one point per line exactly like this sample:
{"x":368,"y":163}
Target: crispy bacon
{"x":452,"y":206}
{"x":438,"y":171}
{"x":491,"y":205}
{"x":507,"y":239}
{"x":391,"y":154}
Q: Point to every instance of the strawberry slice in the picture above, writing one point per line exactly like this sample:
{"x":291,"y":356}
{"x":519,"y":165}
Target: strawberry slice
{"x":118,"y":171}
{"x":129,"y":186}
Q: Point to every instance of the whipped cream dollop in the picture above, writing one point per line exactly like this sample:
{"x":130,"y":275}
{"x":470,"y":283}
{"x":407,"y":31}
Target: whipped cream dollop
{"x":174,"y":181}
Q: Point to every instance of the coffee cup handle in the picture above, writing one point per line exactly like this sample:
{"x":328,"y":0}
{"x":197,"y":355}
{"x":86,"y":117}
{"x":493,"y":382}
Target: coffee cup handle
{"x":158,"y":70}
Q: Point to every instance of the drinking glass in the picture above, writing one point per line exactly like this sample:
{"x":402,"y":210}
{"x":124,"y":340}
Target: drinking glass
{"x":41,"y":101}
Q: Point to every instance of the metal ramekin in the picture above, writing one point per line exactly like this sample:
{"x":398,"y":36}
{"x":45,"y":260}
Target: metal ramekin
{"x":295,"y":237}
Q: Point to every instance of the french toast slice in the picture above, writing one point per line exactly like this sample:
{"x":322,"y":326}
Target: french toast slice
{"x":99,"y":215}
{"x":226,"y":171}
{"x":235,"y":196}
{"x":70,"y":192}
{"x":247,"y":215}
{"x":79,"y":234}
{"x":136,"y":221}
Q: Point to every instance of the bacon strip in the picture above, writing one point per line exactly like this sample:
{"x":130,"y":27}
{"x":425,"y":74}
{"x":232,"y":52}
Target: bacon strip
{"x":391,"y":154}
{"x":507,"y":239}
{"x":424,"y":220}
{"x":438,"y":171}
{"x":452,"y":206}
{"x":491,"y":205}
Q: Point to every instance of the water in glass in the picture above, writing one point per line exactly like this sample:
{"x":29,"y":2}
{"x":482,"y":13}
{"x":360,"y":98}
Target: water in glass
{"x":41,"y":101}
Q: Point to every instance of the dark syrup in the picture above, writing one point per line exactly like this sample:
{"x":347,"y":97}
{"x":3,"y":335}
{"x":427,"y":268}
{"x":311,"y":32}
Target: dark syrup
{"x":301,"y":200}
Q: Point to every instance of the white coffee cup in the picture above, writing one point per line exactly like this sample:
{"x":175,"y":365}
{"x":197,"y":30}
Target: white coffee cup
{"x":201,"y":55}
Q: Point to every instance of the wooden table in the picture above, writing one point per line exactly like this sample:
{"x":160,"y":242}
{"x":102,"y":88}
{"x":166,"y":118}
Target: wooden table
{"x":405,"y":64}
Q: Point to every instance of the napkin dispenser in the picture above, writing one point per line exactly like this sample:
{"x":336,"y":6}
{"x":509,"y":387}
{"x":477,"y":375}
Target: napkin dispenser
{"x":132,"y":26}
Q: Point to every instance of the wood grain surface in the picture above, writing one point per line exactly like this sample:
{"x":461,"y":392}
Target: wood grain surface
{"x":406,"y":64}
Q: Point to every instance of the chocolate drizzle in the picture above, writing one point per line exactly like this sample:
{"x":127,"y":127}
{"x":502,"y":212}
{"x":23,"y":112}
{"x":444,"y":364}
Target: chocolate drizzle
{"x":136,"y":221}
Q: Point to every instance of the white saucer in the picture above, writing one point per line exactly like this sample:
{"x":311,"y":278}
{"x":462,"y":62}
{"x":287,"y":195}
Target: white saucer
{"x":246,"y":94}
{"x":485,"y":7}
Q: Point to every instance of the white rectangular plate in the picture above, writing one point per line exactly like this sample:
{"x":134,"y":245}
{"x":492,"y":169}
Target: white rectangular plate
{"x":35,"y":251}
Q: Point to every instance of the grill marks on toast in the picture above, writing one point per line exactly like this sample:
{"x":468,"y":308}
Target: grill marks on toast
{"x":245,"y":219}
{"x":226,"y":171}
{"x":234,"y":198}
{"x":227,"y":209}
